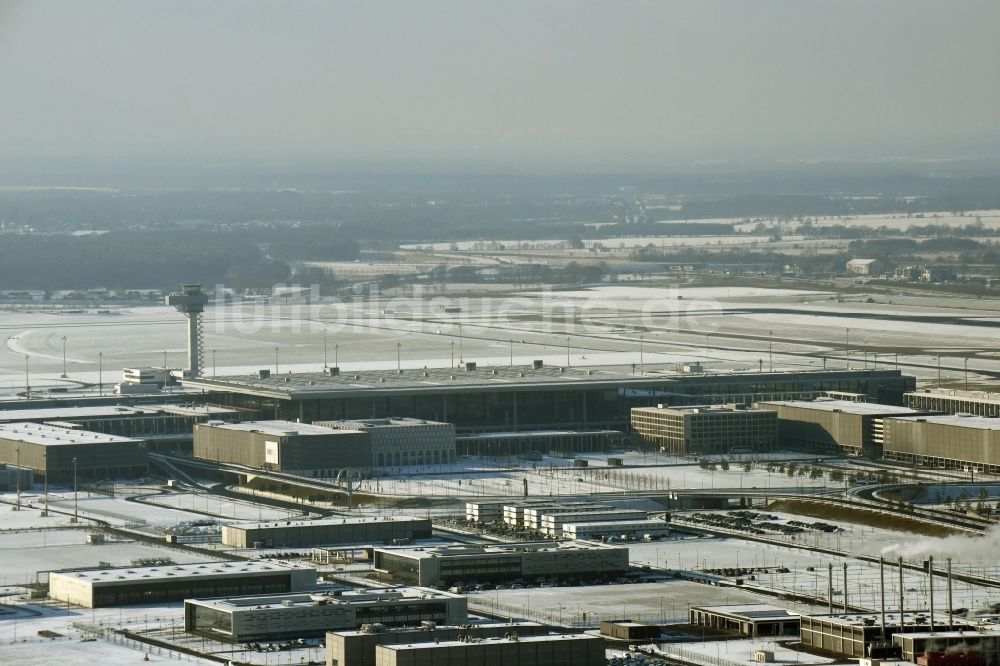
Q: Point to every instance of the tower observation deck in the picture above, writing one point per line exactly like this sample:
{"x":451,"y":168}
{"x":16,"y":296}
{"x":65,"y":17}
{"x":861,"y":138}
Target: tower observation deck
{"x":192,"y":301}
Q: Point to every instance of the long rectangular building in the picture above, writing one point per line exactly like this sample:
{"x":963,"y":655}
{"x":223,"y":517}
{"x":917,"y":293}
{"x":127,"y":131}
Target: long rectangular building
{"x":551,"y":650}
{"x":444,"y":565}
{"x":955,"y":401}
{"x":282,"y":616}
{"x":369,"y":530}
{"x":63,"y":453}
{"x":826,"y":425}
{"x":536,"y":397}
{"x":124,"y":586}
{"x":285,"y":446}
{"x":357,"y":647}
{"x":951,"y":441}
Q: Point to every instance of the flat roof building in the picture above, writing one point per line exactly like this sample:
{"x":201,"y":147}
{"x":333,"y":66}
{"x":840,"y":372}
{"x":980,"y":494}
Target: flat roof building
{"x":551,"y":650}
{"x":628,"y":630}
{"x":981,"y":644}
{"x":57,"y":451}
{"x":705,"y":429}
{"x":954,"y":401}
{"x":161,"y":426}
{"x":514,"y":398}
{"x":552,"y":523}
{"x":327,"y":531}
{"x":357,"y":647}
{"x":827,"y":425}
{"x":852,"y":634}
{"x":282,"y":616}
{"x":402,"y":442}
{"x":951,"y":441}
{"x":631,"y":529}
{"x":308,"y":450}
{"x":444,"y":565}
{"x":124,"y":586}
{"x":753,"y":620}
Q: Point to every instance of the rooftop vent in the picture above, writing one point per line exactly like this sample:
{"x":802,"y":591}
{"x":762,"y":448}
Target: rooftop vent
{"x":263,"y":374}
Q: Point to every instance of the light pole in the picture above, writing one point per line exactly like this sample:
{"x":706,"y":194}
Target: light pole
{"x":770,"y":351}
{"x":642,"y":366}
{"x":64,"y":375}
{"x":512,"y":352}
{"x":847,"y":346}
{"x":567,"y":351}
{"x":325,"y":366}
{"x":336,"y":356}
{"x":213,"y":363}
{"x":461,"y":354}
{"x":276,"y":360}
{"x":399,"y":367}
{"x":452,"y":353}
{"x":17,"y":474}
{"x":100,"y":373}
{"x":966,"y":373}
{"x":27,"y":378}
{"x":45,"y":511}
{"x":76,"y":502}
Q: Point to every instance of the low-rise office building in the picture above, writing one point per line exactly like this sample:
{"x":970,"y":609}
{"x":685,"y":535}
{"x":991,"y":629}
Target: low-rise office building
{"x":950,"y":441}
{"x":357,"y":647}
{"x":605,"y":530}
{"x":400,"y":442}
{"x":954,"y":401}
{"x":628,"y":630}
{"x":327,"y":531}
{"x":285,"y":446}
{"x":63,"y":453}
{"x":281,"y":616}
{"x":444,"y":565}
{"x":552,"y":524}
{"x":753,"y":620}
{"x":705,"y":429}
{"x":96,"y":588}
{"x":826,"y":425}
{"x":532,"y":516}
{"x":551,"y":650}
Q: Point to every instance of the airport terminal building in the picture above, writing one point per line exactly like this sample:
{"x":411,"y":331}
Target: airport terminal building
{"x":535,"y":397}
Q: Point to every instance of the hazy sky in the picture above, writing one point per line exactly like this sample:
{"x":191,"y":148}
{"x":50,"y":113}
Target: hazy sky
{"x":514,"y":82}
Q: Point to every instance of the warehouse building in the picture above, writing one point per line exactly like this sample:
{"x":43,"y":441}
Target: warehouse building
{"x":328,"y":531}
{"x":551,"y":650}
{"x":298,"y":448}
{"x":535,"y":397}
{"x":96,"y":588}
{"x":401,"y":442}
{"x":357,"y":647}
{"x":552,"y":442}
{"x":826,"y":425}
{"x":949,"y":441}
{"x":280,"y":616}
{"x":853,"y":634}
{"x":953,"y":401}
{"x":629,"y":630}
{"x":444,"y":565}
{"x":62,"y":453}
{"x":705,"y":429}
{"x":751,"y":620}
{"x":979,"y":647}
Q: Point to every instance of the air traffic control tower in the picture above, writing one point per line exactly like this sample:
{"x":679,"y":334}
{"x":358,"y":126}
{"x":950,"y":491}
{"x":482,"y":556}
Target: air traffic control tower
{"x":191,"y":301}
